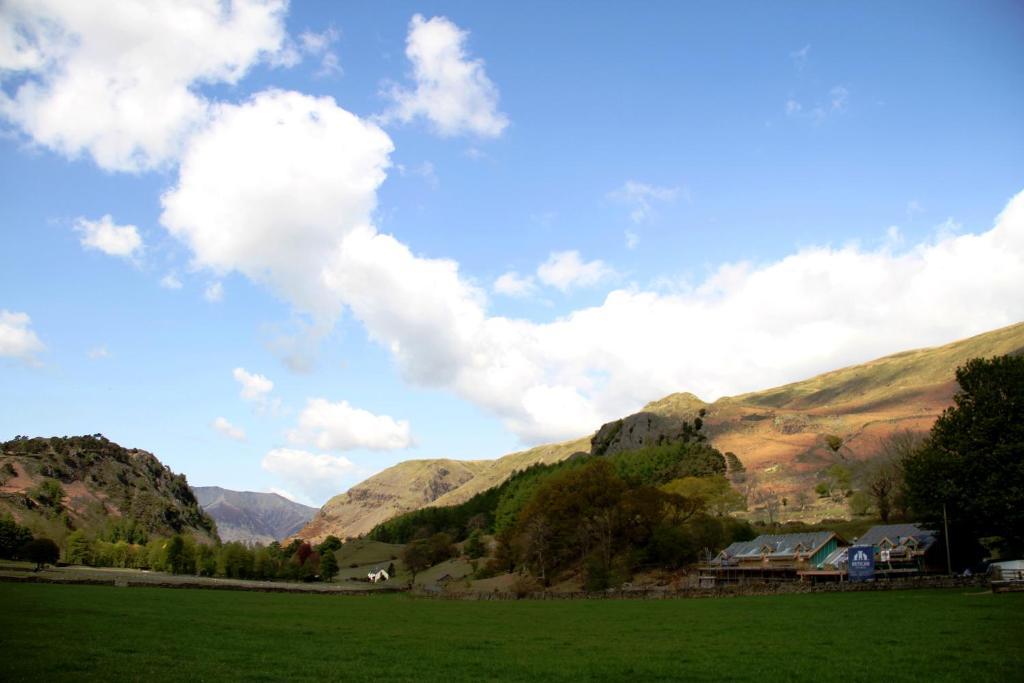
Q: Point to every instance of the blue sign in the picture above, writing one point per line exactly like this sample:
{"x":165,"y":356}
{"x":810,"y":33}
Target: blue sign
{"x":860,"y":562}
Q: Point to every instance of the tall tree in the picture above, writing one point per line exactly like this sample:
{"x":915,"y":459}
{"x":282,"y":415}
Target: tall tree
{"x":973,"y":460}
{"x":328,"y":566}
{"x":42,"y":551}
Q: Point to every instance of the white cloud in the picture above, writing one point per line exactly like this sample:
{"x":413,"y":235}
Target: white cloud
{"x":287,"y":494}
{"x":641,"y":196}
{"x":914,"y":207}
{"x":117,"y":79}
{"x":800,"y":56}
{"x":318,"y":44}
{"x":838,"y":97}
{"x":318,"y":476}
{"x":893,"y":236}
{"x":632,"y":239}
{"x":229,"y":430}
{"x":515,"y":285}
{"x":170,"y":281}
{"x":424,"y":170}
{"x":566,"y":270}
{"x":255,"y":387}
{"x":214,"y":292}
{"x":106,"y":236}
{"x":452,"y":90}
{"x":341,"y":427}
{"x":282,"y":189}
{"x":17,"y":339}
{"x":98,"y":353}
{"x":270,"y":187}
{"x":745,"y":327}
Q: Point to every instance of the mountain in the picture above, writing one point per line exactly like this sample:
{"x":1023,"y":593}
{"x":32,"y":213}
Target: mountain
{"x":252,"y":517}
{"x":414,"y":484}
{"x":60,"y":484}
{"x":779,"y":433}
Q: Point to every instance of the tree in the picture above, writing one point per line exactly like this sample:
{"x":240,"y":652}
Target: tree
{"x":884,"y":477}
{"x":737,"y":471}
{"x":860,"y":503}
{"x":834,"y":443}
{"x":12,"y":537}
{"x":79,"y":549}
{"x":769,"y":499}
{"x":179,"y":559}
{"x":475,"y":547}
{"x":716,"y":493}
{"x":973,"y":461}
{"x":49,"y":493}
{"x":328,"y":566}
{"x":416,"y":558}
{"x":837,"y":481}
{"x":329,"y":545}
{"x":42,"y":551}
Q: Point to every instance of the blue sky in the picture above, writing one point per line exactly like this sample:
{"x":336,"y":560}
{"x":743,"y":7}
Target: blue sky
{"x":345,"y":235}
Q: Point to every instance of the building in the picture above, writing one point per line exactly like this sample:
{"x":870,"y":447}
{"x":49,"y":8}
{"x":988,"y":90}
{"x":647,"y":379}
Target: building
{"x":900,"y":550}
{"x":770,"y":558}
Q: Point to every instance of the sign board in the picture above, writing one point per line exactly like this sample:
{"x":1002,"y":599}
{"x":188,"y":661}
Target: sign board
{"x":861,"y":562}
{"x":885,"y":555}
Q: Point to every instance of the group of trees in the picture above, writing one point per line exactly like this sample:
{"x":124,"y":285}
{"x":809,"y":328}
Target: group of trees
{"x":183,"y":554}
{"x":18,"y":543}
{"x":662,"y":505}
{"x":610,"y":525}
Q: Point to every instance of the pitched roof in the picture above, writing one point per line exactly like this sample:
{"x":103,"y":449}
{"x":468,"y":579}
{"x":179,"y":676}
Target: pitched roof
{"x":898,"y":534}
{"x":776,"y":546}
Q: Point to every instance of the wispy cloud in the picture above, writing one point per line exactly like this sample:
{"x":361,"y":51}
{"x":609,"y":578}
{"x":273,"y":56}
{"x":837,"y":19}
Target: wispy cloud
{"x":641,"y":197}
{"x":214,"y":292}
{"x":229,"y":430}
{"x":800,"y":56}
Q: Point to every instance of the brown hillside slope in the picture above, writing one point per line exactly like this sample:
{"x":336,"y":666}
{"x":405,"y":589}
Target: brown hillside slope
{"x":778,"y":433}
{"x":406,"y":486}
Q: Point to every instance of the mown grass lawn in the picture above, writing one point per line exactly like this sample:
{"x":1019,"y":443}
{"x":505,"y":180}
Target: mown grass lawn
{"x":54,"y":632}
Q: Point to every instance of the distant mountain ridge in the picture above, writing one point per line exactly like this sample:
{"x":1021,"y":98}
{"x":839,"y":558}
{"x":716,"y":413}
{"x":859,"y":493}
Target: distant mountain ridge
{"x":91,"y":484}
{"x":778,"y":433}
{"x":252,"y":517}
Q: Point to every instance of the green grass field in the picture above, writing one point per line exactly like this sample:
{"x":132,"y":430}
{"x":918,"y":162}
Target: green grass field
{"x":54,"y":632}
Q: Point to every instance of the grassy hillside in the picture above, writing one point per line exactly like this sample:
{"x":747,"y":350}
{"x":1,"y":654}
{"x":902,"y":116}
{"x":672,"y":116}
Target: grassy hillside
{"x":252,"y":517}
{"x":58,"y":485}
{"x":778,"y":433}
{"x":123,"y":634}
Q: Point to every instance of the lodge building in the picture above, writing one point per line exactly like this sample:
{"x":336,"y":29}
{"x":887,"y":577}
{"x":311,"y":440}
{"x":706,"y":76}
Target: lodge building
{"x":899,"y":549}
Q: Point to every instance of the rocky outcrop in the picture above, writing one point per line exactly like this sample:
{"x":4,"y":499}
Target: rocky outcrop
{"x":638,"y":431}
{"x":88,"y":483}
